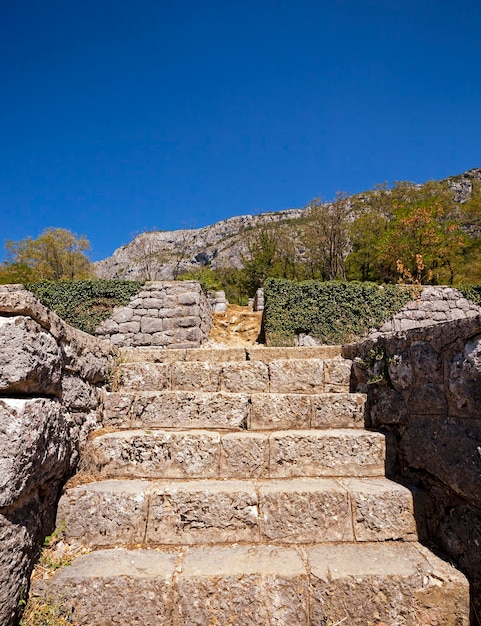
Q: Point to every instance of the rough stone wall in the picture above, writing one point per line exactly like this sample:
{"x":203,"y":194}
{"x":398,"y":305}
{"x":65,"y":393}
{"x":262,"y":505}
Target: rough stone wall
{"x":50,"y":378}
{"x":424,"y":387}
{"x":434,"y":305}
{"x":170,"y":314}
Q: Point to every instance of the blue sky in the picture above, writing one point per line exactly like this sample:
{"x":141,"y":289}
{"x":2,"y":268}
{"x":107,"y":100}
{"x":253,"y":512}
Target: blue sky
{"x":119,"y":116}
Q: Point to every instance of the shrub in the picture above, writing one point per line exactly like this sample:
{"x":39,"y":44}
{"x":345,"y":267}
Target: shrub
{"x":84,"y":303}
{"x":332,"y":312}
{"x":471,"y":292}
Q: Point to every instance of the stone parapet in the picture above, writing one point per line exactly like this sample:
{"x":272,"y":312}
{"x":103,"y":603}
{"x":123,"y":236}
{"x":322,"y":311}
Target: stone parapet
{"x":169,"y":314}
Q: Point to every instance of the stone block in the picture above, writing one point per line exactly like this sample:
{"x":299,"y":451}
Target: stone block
{"x":382,"y":510}
{"x":177,"y":409}
{"x":382,"y":583}
{"x":400,"y":370}
{"x":338,"y":410}
{"x":243,"y":585}
{"x":296,"y":376}
{"x":116,"y":587}
{"x":304,"y":511}
{"x":151,"y":325}
{"x":161,"y":338}
{"x":155,"y":303}
{"x":155,"y":454}
{"x":119,"y":339}
{"x":107,"y":513}
{"x":244,"y":455}
{"x":337,"y":373}
{"x":122,"y":314}
{"x":141,"y":339}
{"x":326,"y":453}
{"x":246,"y":377}
{"x":78,"y":395}
{"x":194,"y":335}
{"x":277,"y":411}
{"x":189,"y":298}
{"x":202,"y":511}
{"x":140,"y":376}
{"x":196,"y":376}
{"x":216,"y":355}
{"x":265,"y":354}
{"x":428,"y":399}
{"x":129,"y":327}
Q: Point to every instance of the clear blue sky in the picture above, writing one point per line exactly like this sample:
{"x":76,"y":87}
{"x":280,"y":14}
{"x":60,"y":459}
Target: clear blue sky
{"x":119,"y":116}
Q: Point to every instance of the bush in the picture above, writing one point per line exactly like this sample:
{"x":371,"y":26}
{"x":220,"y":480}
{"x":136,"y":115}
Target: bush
{"x":84,"y":303}
{"x":332,"y":312}
{"x":471,"y":292}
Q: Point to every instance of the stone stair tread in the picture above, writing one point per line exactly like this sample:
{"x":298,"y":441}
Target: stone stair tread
{"x":198,"y":453}
{"x":257,"y":585}
{"x":299,"y":510}
{"x":249,"y":353}
{"x":253,"y":411}
{"x":277,"y":376}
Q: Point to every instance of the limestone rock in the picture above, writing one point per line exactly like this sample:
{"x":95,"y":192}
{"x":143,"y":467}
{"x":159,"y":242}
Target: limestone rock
{"x":30,"y":359}
{"x":34,"y":445}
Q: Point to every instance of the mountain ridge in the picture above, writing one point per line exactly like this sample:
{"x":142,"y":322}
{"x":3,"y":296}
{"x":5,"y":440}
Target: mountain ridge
{"x":164,"y":255}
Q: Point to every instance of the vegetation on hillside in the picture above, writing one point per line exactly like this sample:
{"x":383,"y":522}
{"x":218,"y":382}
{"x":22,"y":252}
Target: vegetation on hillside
{"x":407,"y":233}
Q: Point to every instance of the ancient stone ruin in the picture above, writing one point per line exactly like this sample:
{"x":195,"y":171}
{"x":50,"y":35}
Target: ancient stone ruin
{"x":247,"y":486}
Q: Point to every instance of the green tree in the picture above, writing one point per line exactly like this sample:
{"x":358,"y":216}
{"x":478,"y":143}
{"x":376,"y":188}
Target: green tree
{"x":363,"y":262}
{"x":424,"y":241}
{"x":57,"y":254}
{"x":261,"y":256}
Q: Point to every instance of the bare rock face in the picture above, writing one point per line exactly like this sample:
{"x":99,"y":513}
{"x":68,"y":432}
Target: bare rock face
{"x":164,"y":254}
{"x":49,"y":379}
{"x":34,"y":445}
{"x":29,"y":358}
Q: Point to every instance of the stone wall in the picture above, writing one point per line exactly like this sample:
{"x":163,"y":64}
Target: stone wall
{"x":170,"y":314}
{"x":50,"y":378}
{"x":434,"y":305}
{"x":424,"y":386}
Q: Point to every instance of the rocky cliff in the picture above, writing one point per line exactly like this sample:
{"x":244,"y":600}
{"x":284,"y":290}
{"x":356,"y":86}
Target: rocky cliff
{"x":163,"y":255}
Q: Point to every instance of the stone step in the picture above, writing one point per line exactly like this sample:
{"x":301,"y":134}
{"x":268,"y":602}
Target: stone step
{"x":232,"y":411}
{"x":217,"y":454}
{"x":396,"y":584}
{"x":277,"y":376}
{"x":222,"y":355}
{"x":300,"y":511}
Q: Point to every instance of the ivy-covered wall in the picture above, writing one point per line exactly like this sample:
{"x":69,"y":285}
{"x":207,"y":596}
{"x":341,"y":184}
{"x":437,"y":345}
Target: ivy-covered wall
{"x":331,"y":312}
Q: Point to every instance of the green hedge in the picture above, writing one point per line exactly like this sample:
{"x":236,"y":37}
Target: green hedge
{"x":333,"y":312}
{"x":84,"y":303}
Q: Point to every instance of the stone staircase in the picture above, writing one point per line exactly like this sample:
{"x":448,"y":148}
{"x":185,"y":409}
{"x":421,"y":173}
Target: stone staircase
{"x":239,"y":487}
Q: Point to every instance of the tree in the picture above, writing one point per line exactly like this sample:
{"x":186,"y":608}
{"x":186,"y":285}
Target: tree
{"x":147,"y":254}
{"x":57,"y":254}
{"x":424,"y":242}
{"x":365,"y":232}
{"x":261,"y":255}
{"x":326,"y":237}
